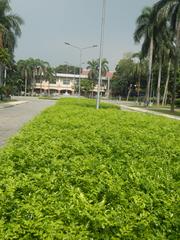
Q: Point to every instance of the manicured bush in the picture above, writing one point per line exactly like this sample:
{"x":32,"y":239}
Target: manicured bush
{"x":78,"y":173}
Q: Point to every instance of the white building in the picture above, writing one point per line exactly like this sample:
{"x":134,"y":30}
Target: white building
{"x":65,"y":83}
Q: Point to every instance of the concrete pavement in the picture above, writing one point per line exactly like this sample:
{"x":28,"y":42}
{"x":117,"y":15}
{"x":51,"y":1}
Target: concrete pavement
{"x":14,"y":115}
{"x":127,"y":106}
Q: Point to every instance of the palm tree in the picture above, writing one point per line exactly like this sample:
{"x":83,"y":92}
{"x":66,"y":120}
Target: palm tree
{"x":93,"y":66}
{"x":93,"y":69}
{"x":139,"y":57}
{"x":104,"y":67}
{"x":37,"y":67}
{"x":171,"y":9}
{"x":24,"y":68}
{"x":166,"y":84}
{"x":146,"y":29}
{"x":9,"y":31}
{"x":162,"y":46}
{"x":9,"y":26}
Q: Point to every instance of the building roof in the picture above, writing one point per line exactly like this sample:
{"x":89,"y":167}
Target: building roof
{"x":68,"y":75}
{"x":83,"y":75}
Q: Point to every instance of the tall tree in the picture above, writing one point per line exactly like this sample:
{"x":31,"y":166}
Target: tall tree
{"x":67,"y":69}
{"x":93,"y":69}
{"x":9,"y":31}
{"x":171,"y":8}
{"x":139,"y":57}
{"x":9,"y":26}
{"x":162,"y":45}
{"x":24,"y":68}
{"x":146,"y":28}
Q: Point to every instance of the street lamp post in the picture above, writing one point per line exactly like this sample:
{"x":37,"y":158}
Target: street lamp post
{"x":101,"y":53}
{"x":80,"y":61}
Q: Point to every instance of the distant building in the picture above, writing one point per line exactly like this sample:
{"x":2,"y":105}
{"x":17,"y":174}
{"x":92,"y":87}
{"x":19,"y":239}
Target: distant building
{"x":65,"y":83}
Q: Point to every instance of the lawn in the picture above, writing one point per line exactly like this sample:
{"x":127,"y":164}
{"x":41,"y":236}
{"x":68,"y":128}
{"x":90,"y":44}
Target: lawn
{"x":77,"y":173}
{"x":167,"y":111}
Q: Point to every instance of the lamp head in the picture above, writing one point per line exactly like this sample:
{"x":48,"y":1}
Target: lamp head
{"x":67,"y":43}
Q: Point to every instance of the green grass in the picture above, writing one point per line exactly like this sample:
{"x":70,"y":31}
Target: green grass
{"x":167,"y":111}
{"x":161,"y":109}
{"x":78,"y":173}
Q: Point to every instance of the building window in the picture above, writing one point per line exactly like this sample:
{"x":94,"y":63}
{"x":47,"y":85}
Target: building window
{"x":66,"y":82}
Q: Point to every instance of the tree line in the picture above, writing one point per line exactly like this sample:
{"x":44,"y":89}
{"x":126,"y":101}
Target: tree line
{"x":156,"y":69}
{"x":149,"y":75}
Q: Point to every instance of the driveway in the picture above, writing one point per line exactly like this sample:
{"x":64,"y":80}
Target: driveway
{"x":13,"y":117}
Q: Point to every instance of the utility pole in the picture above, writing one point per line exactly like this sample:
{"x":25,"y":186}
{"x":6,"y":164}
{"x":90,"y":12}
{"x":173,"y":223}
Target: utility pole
{"x":101,"y":53}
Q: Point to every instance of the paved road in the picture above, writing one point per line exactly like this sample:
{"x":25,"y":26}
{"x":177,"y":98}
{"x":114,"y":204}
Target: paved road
{"x":12,"y":118}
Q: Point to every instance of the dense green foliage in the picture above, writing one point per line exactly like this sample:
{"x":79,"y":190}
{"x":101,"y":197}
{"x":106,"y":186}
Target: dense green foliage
{"x":78,"y":173}
{"x":128,"y":73}
{"x":67,"y":69}
{"x":177,"y":102}
{"x":87,"y":87}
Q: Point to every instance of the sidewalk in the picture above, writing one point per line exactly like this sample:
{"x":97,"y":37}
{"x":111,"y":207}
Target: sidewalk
{"x":127,"y":107}
{"x":136,"y":109}
{"x":13,"y":115}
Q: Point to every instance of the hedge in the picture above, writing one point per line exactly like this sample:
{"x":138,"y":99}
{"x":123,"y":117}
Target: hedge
{"x":75,"y":172}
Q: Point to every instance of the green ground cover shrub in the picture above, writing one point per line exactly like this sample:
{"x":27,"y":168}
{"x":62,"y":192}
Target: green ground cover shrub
{"x":77,"y":173}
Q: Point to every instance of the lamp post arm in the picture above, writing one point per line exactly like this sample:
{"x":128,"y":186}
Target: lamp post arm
{"x":93,"y":46}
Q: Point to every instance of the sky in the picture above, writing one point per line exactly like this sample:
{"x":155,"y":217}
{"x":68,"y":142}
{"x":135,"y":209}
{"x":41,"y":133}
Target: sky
{"x":50,"y":23}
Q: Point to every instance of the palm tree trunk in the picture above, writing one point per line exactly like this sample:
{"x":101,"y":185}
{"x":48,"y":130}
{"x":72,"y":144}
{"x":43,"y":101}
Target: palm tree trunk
{"x":159,"y":81}
{"x":149,"y":70}
{"x":139,"y":81}
{"x":166,"y":85}
{"x":33,"y":82}
{"x":108,"y":87}
{"x":1,"y":80}
{"x":176,"y":65}
{"x":48,"y":87}
{"x":130,"y":88}
{"x":1,"y":39}
{"x":25,"y":90}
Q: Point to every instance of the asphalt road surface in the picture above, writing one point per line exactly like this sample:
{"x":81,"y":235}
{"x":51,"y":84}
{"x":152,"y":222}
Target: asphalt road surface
{"x":12,"y":118}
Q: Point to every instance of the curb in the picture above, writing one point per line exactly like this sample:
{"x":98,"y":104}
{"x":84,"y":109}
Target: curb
{"x":11,"y":104}
{"x":135,"y":109}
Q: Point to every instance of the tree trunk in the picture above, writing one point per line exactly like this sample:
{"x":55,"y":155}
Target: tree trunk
{"x":176,"y":65}
{"x":108,"y":87}
{"x":130,"y":88}
{"x":139,"y":81}
{"x":1,"y":79}
{"x":26,"y":76}
{"x":149,"y":70}
{"x":1,"y":39}
{"x":48,"y":87}
{"x":166,"y":85}
{"x":33,"y":82}
{"x":159,"y":81}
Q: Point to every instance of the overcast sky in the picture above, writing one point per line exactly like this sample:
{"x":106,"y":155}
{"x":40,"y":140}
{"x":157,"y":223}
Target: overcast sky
{"x":49,"y":23}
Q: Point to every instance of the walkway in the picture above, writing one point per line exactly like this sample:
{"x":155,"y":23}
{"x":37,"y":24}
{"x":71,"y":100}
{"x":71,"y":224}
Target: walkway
{"x":127,"y":106}
{"x":14,"y":115}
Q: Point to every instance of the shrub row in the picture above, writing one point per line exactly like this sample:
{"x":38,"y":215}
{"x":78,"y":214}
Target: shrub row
{"x":78,"y":173}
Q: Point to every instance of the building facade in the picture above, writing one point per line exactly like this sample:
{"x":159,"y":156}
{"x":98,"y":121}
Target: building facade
{"x":66,"y":84}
